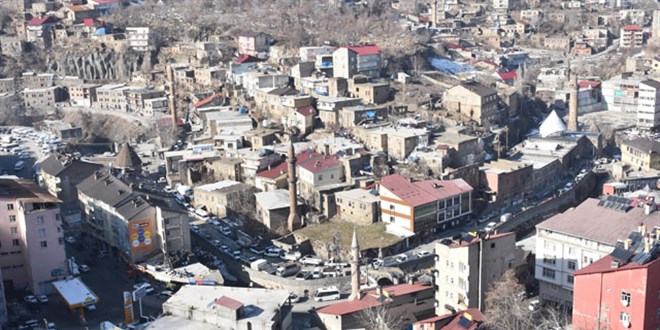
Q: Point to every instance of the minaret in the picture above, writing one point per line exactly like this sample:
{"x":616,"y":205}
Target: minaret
{"x":170,"y":82}
{"x":294,"y":219}
{"x":355,"y":268}
{"x":573,"y":101}
{"x":434,"y":14}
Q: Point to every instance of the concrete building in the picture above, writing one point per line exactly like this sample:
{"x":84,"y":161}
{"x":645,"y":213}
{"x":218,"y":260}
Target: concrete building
{"x":210,"y":76}
{"x":501,"y":5}
{"x":576,"y":238}
{"x":358,"y":206}
{"x":467,"y":268}
{"x":354,"y":60}
{"x":397,"y":142}
{"x":368,"y":92}
{"x":641,"y":153}
{"x":648,"y":105}
{"x":329,"y":107}
{"x":140,"y":39}
{"x":409,"y":302}
{"x":301,"y":118}
{"x":475,"y":102}
{"x":43,"y":97}
{"x":424,"y":206}
{"x":632,"y":36}
{"x":135,"y":98}
{"x":132,"y":224}
{"x":626,"y":284}
{"x":112,"y":97}
{"x":255,"y":44}
{"x":470,"y":319}
{"x":360,"y":114}
{"x":655,"y":28}
{"x":83,"y":95}
{"x":621,"y":93}
{"x":223,"y":198}
{"x":60,"y":175}
{"x":226,"y":308}
{"x":155,"y":106}
{"x":507,"y":181}
{"x":273,"y":208}
{"x":32,"y":251}
{"x":315,"y":174}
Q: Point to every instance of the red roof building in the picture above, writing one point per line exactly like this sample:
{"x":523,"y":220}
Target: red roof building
{"x":588,"y":84}
{"x":408,"y":203}
{"x":407,"y":301}
{"x":620,"y":290}
{"x":245,"y":58}
{"x":306,"y":111}
{"x":631,"y":28}
{"x":469,"y":319}
{"x":275,"y":177}
{"x":210,"y":101}
{"x":365,"y":50}
{"x":229,"y":303}
{"x":42,"y":20}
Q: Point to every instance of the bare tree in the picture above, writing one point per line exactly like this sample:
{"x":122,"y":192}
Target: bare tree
{"x":380,"y":318}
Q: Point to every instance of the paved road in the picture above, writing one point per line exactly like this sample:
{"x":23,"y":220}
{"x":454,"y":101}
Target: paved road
{"x":146,"y":121}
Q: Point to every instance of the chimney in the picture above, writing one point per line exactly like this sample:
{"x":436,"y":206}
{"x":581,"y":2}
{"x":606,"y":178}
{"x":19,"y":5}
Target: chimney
{"x":641,"y":228}
{"x":614,"y":264}
{"x":647,"y":245}
{"x":626,"y":244}
{"x":326,"y":149}
{"x":648,"y":209}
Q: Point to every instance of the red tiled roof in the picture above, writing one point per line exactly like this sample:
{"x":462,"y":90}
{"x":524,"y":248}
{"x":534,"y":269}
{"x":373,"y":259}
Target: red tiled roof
{"x":604,"y":265}
{"x":365,"y":50}
{"x":631,"y":28}
{"x":79,"y":8}
{"x":424,"y":19}
{"x":283,"y":167}
{"x":475,"y":239}
{"x":370,"y":300}
{"x":453,"y":46}
{"x":207,"y":100}
{"x":36,"y":21}
{"x":319,"y":164}
{"x":508,"y":75}
{"x":450,"y":321}
{"x":588,"y":83}
{"x":306,"y":111}
{"x":230,"y":303}
{"x":167,"y":122}
{"x":246,"y":59}
{"x":423,"y":192}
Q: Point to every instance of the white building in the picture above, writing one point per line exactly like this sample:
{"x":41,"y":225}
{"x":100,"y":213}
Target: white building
{"x":648,"y":105}
{"x":139,"y":38}
{"x":620,"y":93}
{"x":500,"y":4}
{"x":576,"y":238}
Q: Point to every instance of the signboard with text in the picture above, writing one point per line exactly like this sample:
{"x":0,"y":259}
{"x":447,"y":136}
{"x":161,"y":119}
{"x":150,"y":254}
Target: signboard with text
{"x":128,"y":308}
{"x":141,"y":236}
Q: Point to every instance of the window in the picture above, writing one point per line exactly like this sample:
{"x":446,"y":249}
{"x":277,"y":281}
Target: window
{"x":571,"y":265}
{"x":10,"y":207}
{"x":42,"y":232}
{"x":40,"y":220}
{"x":12,"y":218}
{"x":549,"y":273}
{"x":320,"y":177}
{"x":14,"y":230}
{"x":569,"y":279}
{"x":550,"y":260}
{"x":44,"y":244}
{"x":625,"y":298}
{"x":492,"y":245}
{"x":625,"y":318}
{"x":60,"y":241}
{"x":549,"y":245}
{"x":15,"y":242}
{"x":587,"y":260}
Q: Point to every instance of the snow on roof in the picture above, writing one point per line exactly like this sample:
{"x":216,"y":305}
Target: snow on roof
{"x":551,"y":125}
{"x":75,"y":292}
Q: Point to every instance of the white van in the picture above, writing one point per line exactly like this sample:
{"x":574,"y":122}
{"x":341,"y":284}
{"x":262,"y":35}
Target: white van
{"x":327,"y":294}
{"x":19,"y":166}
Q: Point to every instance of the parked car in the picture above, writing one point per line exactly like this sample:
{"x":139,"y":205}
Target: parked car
{"x":422,"y":254}
{"x":311,"y":260}
{"x":294,"y":298}
{"x":327,"y":294}
{"x":273,"y":253}
{"x":42,"y":299}
{"x":534,"y":305}
{"x":401,"y":258}
{"x":225,"y":230}
{"x":90,"y":307}
{"x":490,"y":226}
{"x":30,"y":299}
{"x":236,"y":255}
{"x":216,"y":242}
{"x":257,"y":250}
{"x":288,"y":270}
{"x":84,"y":268}
{"x":292,"y":256}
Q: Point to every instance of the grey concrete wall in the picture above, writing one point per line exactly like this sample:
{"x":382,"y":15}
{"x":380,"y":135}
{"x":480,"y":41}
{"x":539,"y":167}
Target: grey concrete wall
{"x":298,"y":287}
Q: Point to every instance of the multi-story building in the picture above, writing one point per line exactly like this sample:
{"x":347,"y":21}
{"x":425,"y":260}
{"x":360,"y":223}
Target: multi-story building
{"x":40,"y":30}
{"x":223,"y":198}
{"x":155,"y":106}
{"x":474,"y":101}
{"x":83,"y":95}
{"x":590,"y":97}
{"x":315,"y":173}
{"x":210,"y":76}
{"x":60,"y":174}
{"x":424,"y":206}
{"x":641,"y":153}
{"x":632,"y":36}
{"x":621,"y":93}
{"x":328,"y":108}
{"x":135,"y":98}
{"x":398,"y":142}
{"x":648,"y":105}
{"x":133,"y":224}
{"x":35,"y":80}
{"x":656,"y":27}
{"x":468,"y":267}
{"x":576,"y":238}
{"x":507,"y":181}
{"x":369,"y":92}
{"x":626,"y":283}
{"x":254,"y":43}
{"x":32,"y":250}
{"x":360,"y":114}
{"x":112,"y":97}
{"x":273,"y":208}
{"x":354,"y":60}
{"x":501,"y":4}
{"x":358,"y":205}
{"x":140,"y":39}
{"x":43,"y":97}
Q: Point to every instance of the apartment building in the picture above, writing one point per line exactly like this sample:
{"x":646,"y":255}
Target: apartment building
{"x":155,"y":106}
{"x":140,"y":39}
{"x":32,"y":241}
{"x":572,"y":240}
{"x":135,"y":98}
{"x":621,"y":93}
{"x":360,"y":114}
{"x":475,"y":102}
{"x":223,"y":198}
{"x":60,"y":175}
{"x":468,"y":267}
{"x":648,"y":105}
{"x":641,"y":153}
{"x":632,"y":36}
{"x":328,"y":108}
{"x":43,"y":97}
{"x":626,"y":283}
{"x":255,"y":44}
{"x":356,"y":60}
{"x":358,"y":206}
{"x":507,"y":181}
{"x":315,"y":173}
{"x":424,"y":206}
{"x":112,"y":97}
{"x":131,"y":223}
{"x":83,"y":95}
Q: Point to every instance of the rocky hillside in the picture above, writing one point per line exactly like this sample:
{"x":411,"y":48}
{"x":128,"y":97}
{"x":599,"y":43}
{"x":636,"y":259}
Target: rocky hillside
{"x":96,"y":64}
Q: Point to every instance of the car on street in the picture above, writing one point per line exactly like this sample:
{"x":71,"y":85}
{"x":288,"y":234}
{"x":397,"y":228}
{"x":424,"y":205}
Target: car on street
{"x":236,"y":255}
{"x":273,"y":252}
{"x":422,"y":254}
{"x":490,"y":226}
{"x":30,"y":299}
{"x":70,"y":239}
{"x":294,"y":298}
{"x":42,"y":299}
{"x":84,"y":268}
{"x":166,"y":294}
{"x":401,"y":258}
{"x":216,"y":242}
{"x":326,"y":294}
{"x":311,"y":260}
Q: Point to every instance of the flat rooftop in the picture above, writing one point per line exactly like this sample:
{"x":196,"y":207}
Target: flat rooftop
{"x":274,"y":200}
{"x":358,"y":194}
{"x":503,"y":166}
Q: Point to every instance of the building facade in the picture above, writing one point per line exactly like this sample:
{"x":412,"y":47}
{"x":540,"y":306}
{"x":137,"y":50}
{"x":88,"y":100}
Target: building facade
{"x":474,"y":101}
{"x":354,"y":60}
{"x":641,"y":153}
{"x":32,"y":250}
{"x":648,"y":105}
{"x":358,"y":206}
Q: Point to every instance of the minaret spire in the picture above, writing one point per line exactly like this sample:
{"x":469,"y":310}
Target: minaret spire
{"x":355,"y":267}
{"x":293,"y":222}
